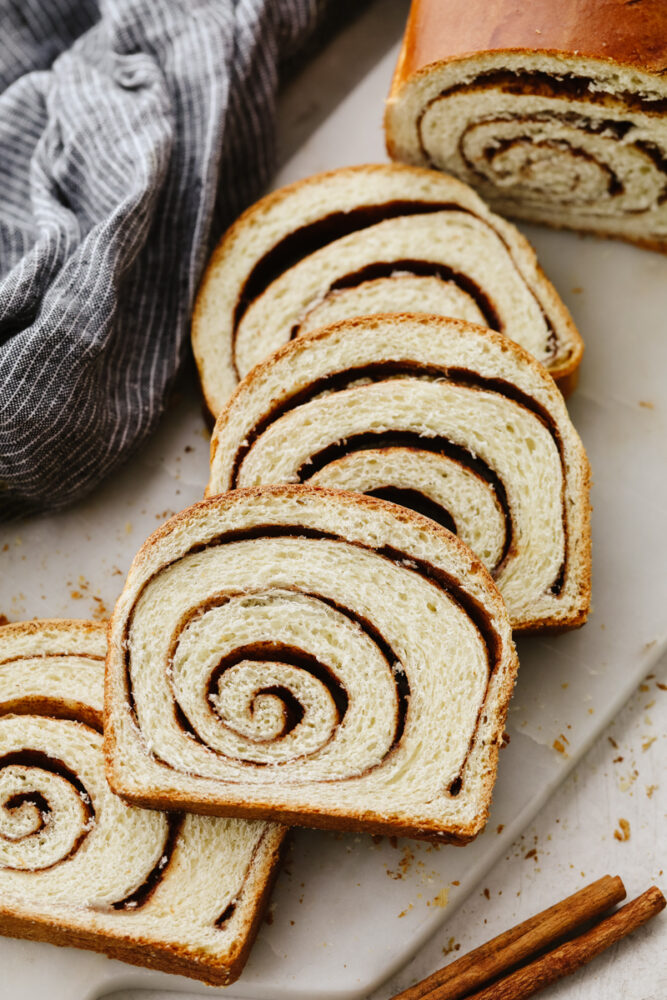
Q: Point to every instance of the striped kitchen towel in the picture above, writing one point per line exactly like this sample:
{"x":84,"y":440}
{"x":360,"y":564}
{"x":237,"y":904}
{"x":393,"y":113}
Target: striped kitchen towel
{"x":131,"y":132}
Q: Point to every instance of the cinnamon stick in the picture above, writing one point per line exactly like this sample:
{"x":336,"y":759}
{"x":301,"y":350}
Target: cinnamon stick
{"x":572,"y":955}
{"x":502,"y":953}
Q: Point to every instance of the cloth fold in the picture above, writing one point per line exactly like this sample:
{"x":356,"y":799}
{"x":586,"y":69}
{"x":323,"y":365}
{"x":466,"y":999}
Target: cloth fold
{"x":131,"y":133}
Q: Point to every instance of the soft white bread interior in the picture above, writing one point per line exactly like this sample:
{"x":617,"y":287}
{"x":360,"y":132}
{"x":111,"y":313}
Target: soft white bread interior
{"x":551,"y":137}
{"x":78,"y":865}
{"x":450,"y":419}
{"x":381,"y":237}
{"x":313,"y":656}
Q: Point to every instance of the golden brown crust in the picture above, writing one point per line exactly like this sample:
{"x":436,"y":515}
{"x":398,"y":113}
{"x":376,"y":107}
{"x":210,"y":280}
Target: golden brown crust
{"x":632,"y":34}
{"x":132,"y":948}
{"x":314,"y":818}
{"x":56,"y":624}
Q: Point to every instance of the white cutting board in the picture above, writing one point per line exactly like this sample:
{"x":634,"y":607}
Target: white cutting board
{"x":347,"y":912}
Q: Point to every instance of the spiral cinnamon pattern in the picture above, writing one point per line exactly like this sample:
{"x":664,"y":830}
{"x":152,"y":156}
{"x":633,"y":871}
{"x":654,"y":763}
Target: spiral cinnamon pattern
{"x":74,"y":856}
{"x":363,"y":240}
{"x":551,"y":139}
{"x":441,"y":417}
{"x":311,"y":645}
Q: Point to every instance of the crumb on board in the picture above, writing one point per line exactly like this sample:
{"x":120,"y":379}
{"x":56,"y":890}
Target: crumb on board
{"x":500,"y":828}
{"x":650,"y":789}
{"x":451,"y":946}
{"x":486,"y":893}
{"x":623,"y":833}
{"x":404,"y":864}
{"x":440,"y":900}
{"x":531,"y":854}
{"x":613,"y":742}
{"x":647,"y":743}
{"x":647,"y":404}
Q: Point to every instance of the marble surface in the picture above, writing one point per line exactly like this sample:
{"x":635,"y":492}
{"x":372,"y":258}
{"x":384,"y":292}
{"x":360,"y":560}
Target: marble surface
{"x":572,"y":840}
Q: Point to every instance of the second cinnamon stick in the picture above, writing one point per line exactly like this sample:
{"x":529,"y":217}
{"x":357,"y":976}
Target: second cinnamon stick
{"x":502,"y":953}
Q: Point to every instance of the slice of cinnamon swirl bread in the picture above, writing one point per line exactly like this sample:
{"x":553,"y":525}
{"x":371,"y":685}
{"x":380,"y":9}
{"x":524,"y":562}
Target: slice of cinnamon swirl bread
{"x":365,"y":239}
{"x":554,"y":111}
{"x":311,"y":656}
{"x":78,"y":866}
{"x":447,"y":418}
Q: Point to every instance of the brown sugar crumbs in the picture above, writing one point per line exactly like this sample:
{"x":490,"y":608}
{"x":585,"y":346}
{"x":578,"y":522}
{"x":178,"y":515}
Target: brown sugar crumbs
{"x":404,"y":864}
{"x":624,"y":832}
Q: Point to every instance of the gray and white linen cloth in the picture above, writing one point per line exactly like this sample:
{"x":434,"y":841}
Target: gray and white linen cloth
{"x":131,"y":133}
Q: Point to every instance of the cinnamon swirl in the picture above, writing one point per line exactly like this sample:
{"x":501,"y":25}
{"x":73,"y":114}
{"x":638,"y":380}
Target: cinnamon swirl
{"x":449,"y":419}
{"x":78,"y":866}
{"x":554,"y":112}
{"x":379,"y":238}
{"x":312,"y":656}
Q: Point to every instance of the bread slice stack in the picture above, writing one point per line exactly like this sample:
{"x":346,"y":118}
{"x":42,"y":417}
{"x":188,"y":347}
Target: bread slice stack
{"x":78,"y":865}
{"x":326,"y":640}
{"x":365,"y":239}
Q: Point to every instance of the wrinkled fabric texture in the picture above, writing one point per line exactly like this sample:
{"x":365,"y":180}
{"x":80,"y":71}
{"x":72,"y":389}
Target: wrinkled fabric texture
{"x":131,"y":133}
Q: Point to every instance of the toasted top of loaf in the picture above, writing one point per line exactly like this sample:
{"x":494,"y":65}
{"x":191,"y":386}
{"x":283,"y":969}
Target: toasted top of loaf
{"x":294,"y":249}
{"x":323,"y":657}
{"x":631,"y":34}
{"x":80,"y":866}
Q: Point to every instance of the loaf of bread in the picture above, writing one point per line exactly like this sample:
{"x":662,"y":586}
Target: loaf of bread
{"x":312,"y":656}
{"x":554,"y":110}
{"x":366,"y":239}
{"x":447,"y":418}
{"x":78,"y":866}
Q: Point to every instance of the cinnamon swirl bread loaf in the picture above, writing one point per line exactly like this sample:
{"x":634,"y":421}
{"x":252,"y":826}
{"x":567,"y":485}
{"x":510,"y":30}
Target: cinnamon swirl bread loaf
{"x":312,"y":656}
{"x":380,"y":238}
{"x":78,"y":866}
{"x":554,"y":110}
{"x":447,"y":418}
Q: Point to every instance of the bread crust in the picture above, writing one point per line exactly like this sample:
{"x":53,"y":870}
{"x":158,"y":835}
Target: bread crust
{"x":632,"y":34}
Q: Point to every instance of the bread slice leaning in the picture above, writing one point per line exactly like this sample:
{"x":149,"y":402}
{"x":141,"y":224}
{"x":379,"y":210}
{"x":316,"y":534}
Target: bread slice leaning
{"x":380,"y":237}
{"x":449,"y":419}
{"x":314,"y":657}
{"x":78,"y":866}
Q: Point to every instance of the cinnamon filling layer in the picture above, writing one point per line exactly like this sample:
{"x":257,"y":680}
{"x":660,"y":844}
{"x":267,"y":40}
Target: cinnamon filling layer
{"x":407,"y":439}
{"x":308,"y":239}
{"x":541,"y":84}
{"x":537,"y":83}
{"x":30,"y":758}
{"x":143,"y":893}
{"x":272,"y":652}
{"x":381,"y":370}
{"x":444,"y":581}
{"x":416,"y":500}
{"x":422,"y":268}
